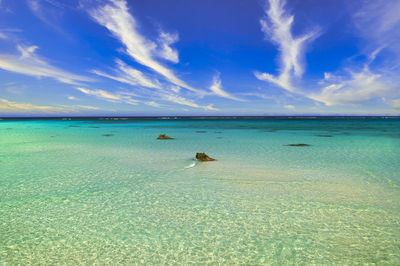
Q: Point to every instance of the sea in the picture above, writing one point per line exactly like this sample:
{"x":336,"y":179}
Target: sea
{"x":105,"y":190}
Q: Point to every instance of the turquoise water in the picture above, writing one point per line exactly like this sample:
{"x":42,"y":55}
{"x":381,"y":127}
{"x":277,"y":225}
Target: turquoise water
{"x":69,"y":195}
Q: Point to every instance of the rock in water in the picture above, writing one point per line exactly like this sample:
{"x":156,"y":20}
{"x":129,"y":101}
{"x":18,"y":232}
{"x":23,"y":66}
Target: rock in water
{"x":202,"y":157}
{"x":164,"y":136}
{"x":299,"y":145}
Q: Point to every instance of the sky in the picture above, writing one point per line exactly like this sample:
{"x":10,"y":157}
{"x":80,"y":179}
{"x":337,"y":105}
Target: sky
{"x":180,"y":57}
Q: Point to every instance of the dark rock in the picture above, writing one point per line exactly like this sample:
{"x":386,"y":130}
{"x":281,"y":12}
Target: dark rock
{"x":202,"y":157}
{"x":298,"y":145}
{"x":324,"y":136}
{"x":164,"y":136}
{"x":94,"y":127}
{"x":201,"y":131}
{"x":108,"y":135}
{"x":73,"y":126}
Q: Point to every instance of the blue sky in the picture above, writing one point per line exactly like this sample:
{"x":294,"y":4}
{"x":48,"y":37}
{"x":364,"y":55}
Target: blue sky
{"x":176,"y":57}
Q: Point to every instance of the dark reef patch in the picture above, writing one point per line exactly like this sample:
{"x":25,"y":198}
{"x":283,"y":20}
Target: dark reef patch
{"x":298,"y":145}
{"x":202,"y":157}
{"x":108,"y":135}
{"x":164,"y":136}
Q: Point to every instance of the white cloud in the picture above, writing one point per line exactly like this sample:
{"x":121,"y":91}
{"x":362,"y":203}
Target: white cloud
{"x":277,"y":27}
{"x":72,"y":98}
{"x":3,"y":36}
{"x":7,"y":106}
{"x":47,"y":11}
{"x":101,"y":94}
{"x":28,"y":63}
{"x":216,"y":88}
{"x":152,"y":103}
{"x":396,"y":104}
{"x":11,"y":107}
{"x":175,"y":89}
{"x":87,"y":107}
{"x":116,"y":18}
{"x":378,"y":22}
{"x":258,"y":95}
{"x":354,"y":88}
{"x":183,"y":101}
{"x":166,"y":51}
{"x":358,"y":88}
{"x":129,"y":75}
{"x":120,"y":97}
{"x":290,"y":107}
{"x":27,"y":52}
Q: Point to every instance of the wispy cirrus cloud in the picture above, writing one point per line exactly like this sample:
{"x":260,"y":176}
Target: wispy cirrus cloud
{"x":72,"y":98}
{"x":81,"y":107}
{"x":355,"y":86}
{"x":216,"y":88}
{"x":129,"y":75}
{"x":289,"y":106}
{"x":28,"y":63}
{"x":133,"y":77}
{"x":396,"y":104}
{"x":49,"y":12}
{"x":116,"y":18}
{"x":277,"y":26}
{"x":119,"y":97}
{"x":166,"y":51}
{"x":7,"y":106}
{"x":183,"y":101}
{"x":378,"y":23}
{"x":127,"y":97}
{"x":359,"y":87}
{"x":109,"y":96}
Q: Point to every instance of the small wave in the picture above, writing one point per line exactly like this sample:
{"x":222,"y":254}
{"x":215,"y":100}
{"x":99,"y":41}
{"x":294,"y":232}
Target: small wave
{"x":191,"y":165}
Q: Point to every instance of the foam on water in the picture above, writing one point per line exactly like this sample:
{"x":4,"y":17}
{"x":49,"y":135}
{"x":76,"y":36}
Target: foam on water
{"x":69,"y":195}
{"x":193,"y":164}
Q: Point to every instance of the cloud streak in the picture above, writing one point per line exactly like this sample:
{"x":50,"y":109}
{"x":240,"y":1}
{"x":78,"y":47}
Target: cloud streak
{"x":116,"y":18}
{"x":183,"y":101}
{"x":277,"y":26}
{"x":378,"y":22}
{"x":129,"y":75}
{"x":167,"y":52}
{"x":108,"y":96}
{"x":396,"y":104}
{"x":28,"y":63}
{"x":216,"y":88}
{"x":358,"y":88}
{"x":11,"y":107}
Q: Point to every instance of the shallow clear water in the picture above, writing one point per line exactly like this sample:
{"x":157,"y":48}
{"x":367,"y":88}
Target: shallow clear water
{"x":69,"y":195}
